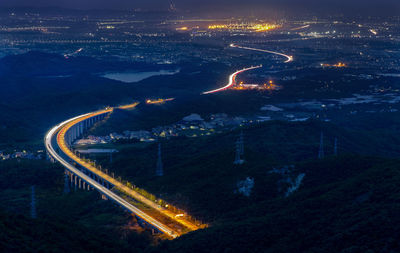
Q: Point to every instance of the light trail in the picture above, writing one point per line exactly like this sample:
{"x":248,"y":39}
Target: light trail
{"x":63,"y":146}
{"x":74,"y":53}
{"x":232,"y":79}
{"x":60,"y":131}
{"x":289,"y":57}
{"x":301,"y":27}
{"x":48,"y":141}
{"x":127,"y":107}
{"x":158,"y":101}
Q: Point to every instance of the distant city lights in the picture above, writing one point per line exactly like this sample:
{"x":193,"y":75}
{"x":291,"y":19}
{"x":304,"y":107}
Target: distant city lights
{"x":269,"y":86}
{"x":184,"y":28}
{"x":337,"y":65}
{"x":254,"y":27}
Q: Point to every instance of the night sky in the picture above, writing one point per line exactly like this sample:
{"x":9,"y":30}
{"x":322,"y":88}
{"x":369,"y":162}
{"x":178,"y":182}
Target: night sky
{"x":353,"y":6}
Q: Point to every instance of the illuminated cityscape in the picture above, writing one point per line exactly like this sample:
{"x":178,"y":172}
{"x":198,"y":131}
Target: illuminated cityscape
{"x":216,"y":126}
{"x":254,"y":27}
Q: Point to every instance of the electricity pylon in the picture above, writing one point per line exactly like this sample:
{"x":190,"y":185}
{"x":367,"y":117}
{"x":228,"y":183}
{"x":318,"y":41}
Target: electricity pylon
{"x":239,"y":150}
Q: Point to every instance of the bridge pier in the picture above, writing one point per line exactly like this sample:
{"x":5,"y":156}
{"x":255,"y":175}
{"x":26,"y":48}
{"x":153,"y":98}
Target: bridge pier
{"x":71,"y":132}
{"x":80,"y":129}
{"x":66,"y":182}
{"x":69,"y":138}
{"x":71,"y":179}
{"x":49,"y":157}
{"x":75,"y":182}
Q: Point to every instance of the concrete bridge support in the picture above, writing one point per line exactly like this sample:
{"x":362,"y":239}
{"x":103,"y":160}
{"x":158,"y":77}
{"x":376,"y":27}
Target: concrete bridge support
{"x":66,"y":182}
{"x":76,"y":179}
{"x":71,"y":177}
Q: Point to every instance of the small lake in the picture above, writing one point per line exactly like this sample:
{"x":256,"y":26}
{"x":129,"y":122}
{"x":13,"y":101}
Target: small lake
{"x":131,"y":77}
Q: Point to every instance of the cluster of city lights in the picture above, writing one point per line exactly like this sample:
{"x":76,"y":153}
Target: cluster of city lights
{"x":244,"y":27}
{"x":337,"y":65}
{"x":266,"y":86}
{"x":184,"y":28}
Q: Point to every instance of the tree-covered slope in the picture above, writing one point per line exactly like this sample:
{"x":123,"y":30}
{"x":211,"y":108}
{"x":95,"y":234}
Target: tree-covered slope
{"x":348,"y":204}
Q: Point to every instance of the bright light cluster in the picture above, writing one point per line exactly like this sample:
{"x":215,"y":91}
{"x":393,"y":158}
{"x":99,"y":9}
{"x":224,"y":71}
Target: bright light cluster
{"x":245,"y":27}
{"x":266,"y":86}
{"x":158,"y":101}
{"x":337,"y":65}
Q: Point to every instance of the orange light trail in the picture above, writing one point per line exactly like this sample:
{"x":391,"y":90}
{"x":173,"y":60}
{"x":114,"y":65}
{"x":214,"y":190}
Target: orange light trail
{"x":132,"y":193}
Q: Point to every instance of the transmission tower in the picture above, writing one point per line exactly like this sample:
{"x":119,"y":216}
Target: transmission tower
{"x":172,"y":6}
{"x":321,"y":147}
{"x":159,"y":170}
{"x":239,"y":150}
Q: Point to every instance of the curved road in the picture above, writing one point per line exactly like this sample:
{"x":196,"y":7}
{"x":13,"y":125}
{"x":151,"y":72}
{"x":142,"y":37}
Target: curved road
{"x":57,"y":147}
{"x":232,"y":77}
{"x":63,"y":146}
{"x":56,"y":140}
{"x":289,"y":58}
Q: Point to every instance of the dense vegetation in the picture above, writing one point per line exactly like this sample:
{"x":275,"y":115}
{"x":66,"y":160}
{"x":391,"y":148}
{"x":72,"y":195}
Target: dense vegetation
{"x":202,"y":169}
{"x":347,"y":204}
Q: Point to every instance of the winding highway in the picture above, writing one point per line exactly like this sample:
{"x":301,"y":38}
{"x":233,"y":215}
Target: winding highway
{"x":232,"y":79}
{"x":56,"y":142}
{"x":289,"y":58}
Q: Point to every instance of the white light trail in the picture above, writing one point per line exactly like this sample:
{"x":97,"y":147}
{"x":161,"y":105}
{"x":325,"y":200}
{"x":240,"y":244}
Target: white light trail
{"x":289,"y":57}
{"x":231,"y":80}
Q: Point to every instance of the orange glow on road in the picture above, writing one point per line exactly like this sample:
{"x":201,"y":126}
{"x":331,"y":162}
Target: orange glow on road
{"x":130,"y":106}
{"x":61,"y":142}
{"x":158,"y":101}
